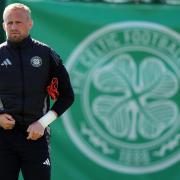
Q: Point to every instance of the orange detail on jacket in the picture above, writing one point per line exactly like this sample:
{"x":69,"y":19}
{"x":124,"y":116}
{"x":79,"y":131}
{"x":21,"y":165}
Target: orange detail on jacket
{"x":52,"y":89}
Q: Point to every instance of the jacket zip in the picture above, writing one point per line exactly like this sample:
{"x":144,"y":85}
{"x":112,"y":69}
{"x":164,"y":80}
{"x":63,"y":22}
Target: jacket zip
{"x":22,"y":79}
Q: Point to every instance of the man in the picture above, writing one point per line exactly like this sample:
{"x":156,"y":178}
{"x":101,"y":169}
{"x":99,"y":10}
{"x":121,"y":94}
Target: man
{"x":30,"y":73}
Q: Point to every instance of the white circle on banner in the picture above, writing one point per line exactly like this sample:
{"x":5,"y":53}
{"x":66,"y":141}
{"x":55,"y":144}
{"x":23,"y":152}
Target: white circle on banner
{"x":126,"y":81}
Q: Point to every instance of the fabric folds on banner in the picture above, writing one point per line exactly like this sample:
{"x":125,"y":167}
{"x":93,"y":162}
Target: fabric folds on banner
{"x":124,"y":64}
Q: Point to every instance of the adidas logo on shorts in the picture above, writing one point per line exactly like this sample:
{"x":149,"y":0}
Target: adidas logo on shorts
{"x":46,"y":162}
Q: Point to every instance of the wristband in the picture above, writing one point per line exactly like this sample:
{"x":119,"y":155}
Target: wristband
{"x":47,"y":119}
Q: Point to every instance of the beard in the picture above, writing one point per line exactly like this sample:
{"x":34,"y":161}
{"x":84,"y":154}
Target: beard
{"x":16,"y":37}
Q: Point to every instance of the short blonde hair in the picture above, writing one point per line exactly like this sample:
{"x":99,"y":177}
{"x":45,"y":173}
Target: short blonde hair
{"x":17,"y":6}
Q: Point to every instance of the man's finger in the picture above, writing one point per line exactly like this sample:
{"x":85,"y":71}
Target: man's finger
{"x":11,"y":122}
{"x":29,"y":129}
{"x":9,"y":117}
{"x":30,"y":135}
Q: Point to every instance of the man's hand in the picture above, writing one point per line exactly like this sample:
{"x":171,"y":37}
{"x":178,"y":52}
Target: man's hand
{"x":7,"y":121}
{"x":35,"y":131}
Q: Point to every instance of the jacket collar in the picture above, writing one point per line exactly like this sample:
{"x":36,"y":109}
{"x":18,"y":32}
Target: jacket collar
{"x":25,"y":42}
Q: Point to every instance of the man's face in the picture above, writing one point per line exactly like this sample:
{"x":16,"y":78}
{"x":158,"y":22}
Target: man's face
{"x":17,"y":25}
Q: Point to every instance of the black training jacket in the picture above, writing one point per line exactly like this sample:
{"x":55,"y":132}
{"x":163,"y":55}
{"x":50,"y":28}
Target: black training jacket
{"x":26,"y":69}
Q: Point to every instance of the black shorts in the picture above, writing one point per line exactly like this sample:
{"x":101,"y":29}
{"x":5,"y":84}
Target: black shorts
{"x":17,"y":153}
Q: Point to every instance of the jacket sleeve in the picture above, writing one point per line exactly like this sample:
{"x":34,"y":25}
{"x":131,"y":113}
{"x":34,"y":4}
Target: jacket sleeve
{"x":65,"y":96}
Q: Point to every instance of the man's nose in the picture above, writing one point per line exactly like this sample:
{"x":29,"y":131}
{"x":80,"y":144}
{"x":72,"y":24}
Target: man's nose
{"x":14,"y":26}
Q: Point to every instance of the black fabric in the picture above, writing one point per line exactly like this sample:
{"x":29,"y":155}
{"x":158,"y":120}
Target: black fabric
{"x":26,"y":69}
{"x":16,"y":152}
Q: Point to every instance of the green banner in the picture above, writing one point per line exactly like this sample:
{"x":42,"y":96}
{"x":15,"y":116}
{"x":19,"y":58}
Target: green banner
{"x":2,"y":4}
{"x":124,"y":64}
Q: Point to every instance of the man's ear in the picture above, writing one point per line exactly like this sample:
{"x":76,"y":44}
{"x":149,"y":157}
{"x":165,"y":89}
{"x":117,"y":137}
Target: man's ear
{"x":3,"y":25}
{"x":30,"y":24}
